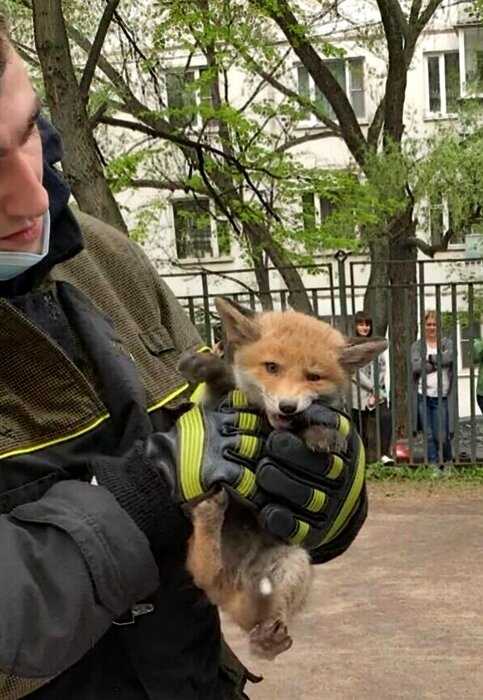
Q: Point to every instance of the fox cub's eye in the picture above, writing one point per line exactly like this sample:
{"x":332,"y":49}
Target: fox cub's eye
{"x":272,"y":367}
{"x":313,"y":377}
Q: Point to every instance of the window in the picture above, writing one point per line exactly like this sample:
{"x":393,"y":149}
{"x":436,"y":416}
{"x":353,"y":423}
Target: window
{"x":473,"y":60}
{"x":444,"y":89}
{"x":349,"y":73}
{"x":188,"y":92}
{"x":468,"y":333}
{"x":440,"y":220}
{"x":315,"y":209}
{"x":194,"y":230}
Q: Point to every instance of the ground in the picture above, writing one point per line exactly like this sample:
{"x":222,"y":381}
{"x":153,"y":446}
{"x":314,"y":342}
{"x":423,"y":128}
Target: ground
{"x":400,"y":614}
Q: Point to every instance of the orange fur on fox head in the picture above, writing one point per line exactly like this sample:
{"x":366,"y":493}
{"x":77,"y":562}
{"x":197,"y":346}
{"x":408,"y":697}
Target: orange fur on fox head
{"x":286,"y":360}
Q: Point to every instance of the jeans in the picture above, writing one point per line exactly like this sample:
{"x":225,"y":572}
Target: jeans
{"x":433,"y":427}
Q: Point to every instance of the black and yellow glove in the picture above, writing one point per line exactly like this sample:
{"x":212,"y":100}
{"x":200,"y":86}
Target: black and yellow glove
{"x":313,"y":499}
{"x":208,"y":448}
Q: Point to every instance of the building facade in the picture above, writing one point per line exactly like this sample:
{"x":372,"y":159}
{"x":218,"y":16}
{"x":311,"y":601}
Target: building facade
{"x":447,"y":68}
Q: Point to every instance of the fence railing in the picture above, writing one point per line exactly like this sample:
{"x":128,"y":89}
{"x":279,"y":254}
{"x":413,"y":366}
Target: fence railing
{"x":336,"y":291}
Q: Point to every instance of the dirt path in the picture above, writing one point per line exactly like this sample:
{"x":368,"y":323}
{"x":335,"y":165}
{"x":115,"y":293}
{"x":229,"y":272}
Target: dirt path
{"x":400,"y":614}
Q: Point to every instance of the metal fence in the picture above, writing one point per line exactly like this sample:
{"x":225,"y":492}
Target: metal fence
{"x":336,"y":290}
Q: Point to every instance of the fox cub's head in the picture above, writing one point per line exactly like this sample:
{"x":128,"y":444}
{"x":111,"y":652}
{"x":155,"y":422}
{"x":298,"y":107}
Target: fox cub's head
{"x":284,"y":360}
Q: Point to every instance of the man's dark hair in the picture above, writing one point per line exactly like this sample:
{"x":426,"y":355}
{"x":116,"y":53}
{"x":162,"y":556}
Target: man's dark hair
{"x":4,"y":42}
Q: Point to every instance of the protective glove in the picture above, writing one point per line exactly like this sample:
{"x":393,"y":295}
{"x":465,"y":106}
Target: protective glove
{"x":165,"y":470}
{"x":209,"y":448}
{"x":318,"y":500}
{"x":303,"y":497}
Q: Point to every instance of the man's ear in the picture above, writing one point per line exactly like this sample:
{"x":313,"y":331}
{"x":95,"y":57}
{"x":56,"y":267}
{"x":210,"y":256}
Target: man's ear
{"x":358,"y":354}
{"x":238,"y":323}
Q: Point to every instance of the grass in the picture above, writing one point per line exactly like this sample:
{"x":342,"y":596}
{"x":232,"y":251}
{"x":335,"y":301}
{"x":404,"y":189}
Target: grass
{"x":454,"y":475}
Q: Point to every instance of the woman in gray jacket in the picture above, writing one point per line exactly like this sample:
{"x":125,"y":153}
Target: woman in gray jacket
{"x":436,"y":400}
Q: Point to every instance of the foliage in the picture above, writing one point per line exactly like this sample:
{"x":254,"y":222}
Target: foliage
{"x":253,"y":161}
{"x":451,"y":476}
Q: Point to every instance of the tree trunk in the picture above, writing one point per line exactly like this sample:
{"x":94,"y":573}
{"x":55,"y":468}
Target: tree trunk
{"x":262,"y":276}
{"x":297,"y":294}
{"x":402,"y":317}
{"x":80,"y":163}
{"x":376,"y":297}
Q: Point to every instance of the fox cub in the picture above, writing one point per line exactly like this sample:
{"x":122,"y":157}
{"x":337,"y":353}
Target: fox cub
{"x":283,"y":361}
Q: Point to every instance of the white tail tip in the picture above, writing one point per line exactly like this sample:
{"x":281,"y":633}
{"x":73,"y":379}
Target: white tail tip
{"x":266,"y":587}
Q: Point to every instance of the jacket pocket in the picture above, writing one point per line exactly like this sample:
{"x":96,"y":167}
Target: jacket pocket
{"x":157,"y":340}
{"x":29,"y":492}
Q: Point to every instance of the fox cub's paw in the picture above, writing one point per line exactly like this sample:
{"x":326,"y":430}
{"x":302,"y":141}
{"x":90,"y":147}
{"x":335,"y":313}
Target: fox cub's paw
{"x":211,"y":511}
{"x":322,"y":439}
{"x":200,"y":366}
{"x":270,"y":638}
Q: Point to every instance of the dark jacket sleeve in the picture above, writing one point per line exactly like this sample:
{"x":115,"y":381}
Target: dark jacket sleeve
{"x":71,"y":563}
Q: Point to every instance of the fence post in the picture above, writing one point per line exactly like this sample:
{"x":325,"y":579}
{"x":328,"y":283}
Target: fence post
{"x":206,"y":308}
{"x":341,"y":256}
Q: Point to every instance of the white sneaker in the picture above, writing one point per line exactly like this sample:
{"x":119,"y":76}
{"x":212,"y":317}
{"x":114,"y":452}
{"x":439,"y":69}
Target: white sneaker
{"x":387,"y":461}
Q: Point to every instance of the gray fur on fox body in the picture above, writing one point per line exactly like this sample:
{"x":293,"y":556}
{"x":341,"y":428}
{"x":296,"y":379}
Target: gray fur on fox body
{"x":283,"y":361}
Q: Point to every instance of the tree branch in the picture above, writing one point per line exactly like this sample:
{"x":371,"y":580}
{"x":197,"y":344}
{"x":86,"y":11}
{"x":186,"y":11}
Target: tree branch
{"x":198,"y":267}
{"x":96,"y":49}
{"x":376,"y":125}
{"x":427,"y":248}
{"x":281,"y":14}
{"x":128,"y":124}
{"x":131,"y":103}
{"x":314,"y":136}
{"x":414,"y":12}
{"x":27,"y":55}
{"x":395,"y":8}
{"x":427,"y":14}
{"x":396,"y":81}
{"x":292,"y":94}
{"x":169,"y":185}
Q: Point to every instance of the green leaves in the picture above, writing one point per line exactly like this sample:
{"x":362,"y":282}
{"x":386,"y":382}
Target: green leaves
{"x":121,"y":170}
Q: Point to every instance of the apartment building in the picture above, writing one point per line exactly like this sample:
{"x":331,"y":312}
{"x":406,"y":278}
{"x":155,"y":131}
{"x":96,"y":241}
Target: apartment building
{"x":447,"y":68}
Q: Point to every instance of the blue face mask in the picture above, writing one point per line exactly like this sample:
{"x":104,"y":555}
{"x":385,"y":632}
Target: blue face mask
{"x":13,"y":264}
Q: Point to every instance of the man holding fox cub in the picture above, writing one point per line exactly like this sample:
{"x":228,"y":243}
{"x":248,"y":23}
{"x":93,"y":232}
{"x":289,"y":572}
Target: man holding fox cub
{"x":102,"y":455}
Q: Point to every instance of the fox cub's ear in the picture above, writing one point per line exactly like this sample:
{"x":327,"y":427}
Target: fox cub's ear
{"x":358,"y":354}
{"x":239,"y":323}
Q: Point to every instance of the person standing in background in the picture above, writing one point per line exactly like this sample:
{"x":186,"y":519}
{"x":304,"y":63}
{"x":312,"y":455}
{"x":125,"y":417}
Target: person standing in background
{"x":440,"y":428}
{"x":367,"y":393}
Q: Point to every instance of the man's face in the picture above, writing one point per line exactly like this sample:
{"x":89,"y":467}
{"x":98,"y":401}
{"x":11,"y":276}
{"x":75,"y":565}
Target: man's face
{"x":23,"y":199}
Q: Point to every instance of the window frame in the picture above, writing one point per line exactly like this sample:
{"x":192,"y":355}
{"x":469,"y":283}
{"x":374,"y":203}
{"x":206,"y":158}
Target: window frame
{"x":465,"y":91}
{"x":316,"y":209}
{"x":443,"y":88}
{"x":199,"y":98}
{"x":216,"y":255}
{"x":311,"y":119}
{"x":443,"y":208}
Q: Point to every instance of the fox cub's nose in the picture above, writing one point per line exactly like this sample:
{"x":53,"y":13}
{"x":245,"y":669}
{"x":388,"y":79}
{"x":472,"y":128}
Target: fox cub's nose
{"x":287,"y":407}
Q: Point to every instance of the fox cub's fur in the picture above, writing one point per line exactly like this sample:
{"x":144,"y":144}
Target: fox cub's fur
{"x":283,"y":361}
